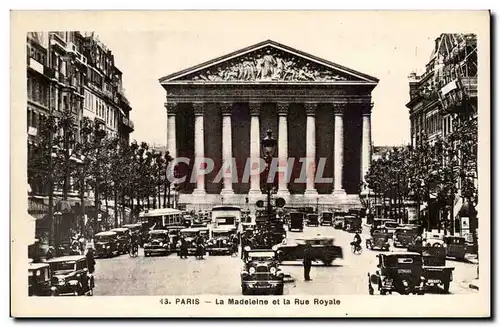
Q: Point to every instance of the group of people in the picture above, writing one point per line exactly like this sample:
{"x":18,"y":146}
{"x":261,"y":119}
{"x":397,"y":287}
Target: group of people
{"x":184,"y":246}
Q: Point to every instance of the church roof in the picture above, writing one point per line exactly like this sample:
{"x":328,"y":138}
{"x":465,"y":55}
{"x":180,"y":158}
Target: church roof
{"x":268,"y":62}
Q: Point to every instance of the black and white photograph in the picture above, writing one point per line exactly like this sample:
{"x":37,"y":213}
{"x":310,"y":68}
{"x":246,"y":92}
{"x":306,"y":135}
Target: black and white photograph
{"x":279,"y":160}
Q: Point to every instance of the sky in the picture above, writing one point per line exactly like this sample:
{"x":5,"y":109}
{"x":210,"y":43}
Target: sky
{"x":388,"y":47}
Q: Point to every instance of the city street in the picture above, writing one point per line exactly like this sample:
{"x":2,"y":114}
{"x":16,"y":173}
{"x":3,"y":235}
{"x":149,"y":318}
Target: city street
{"x":170,"y":275}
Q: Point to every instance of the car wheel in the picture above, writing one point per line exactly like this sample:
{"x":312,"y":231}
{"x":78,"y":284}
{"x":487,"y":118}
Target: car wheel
{"x":383,"y":292}
{"x":244,"y":290}
{"x":279,"y":291}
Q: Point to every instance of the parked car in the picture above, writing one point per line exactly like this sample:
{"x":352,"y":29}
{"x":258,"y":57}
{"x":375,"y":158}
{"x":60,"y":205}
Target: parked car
{"x":296,"y":221}
{"x":339,"y":222}
{"x":327,"y":218}
{"x":123,"y":235}
{"x":39,"y":275}
{"x":312,"y":219}
{"x":261,"y":273}
{"x":390,"y":227}
{"x":400,"y":272}
{"x":404,"y":236}
{"x":70,"y":276}
{"x":106,"y":244}
{"x":220,"y":241}
{"x":158,"y":243}
{"x":322,"y":249}
{"x":352,"y":224}
{"x":436,"y":272}
{"x":455,"y":247}
{"x":378,"y":241}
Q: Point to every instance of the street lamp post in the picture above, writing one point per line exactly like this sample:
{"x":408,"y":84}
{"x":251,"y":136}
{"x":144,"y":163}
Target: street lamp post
{"x":268,"y":150}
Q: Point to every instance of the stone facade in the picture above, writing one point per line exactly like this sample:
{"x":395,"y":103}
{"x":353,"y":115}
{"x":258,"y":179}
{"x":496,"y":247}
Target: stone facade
{"x":315,"y":109}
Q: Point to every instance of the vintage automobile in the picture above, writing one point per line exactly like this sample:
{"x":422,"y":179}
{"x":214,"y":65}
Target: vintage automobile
{"x":221,"y":241}
{"x":174,"y":234}
{"x":352,"y":224}
{"x":39,"y":275}
{"x":378,"y":224}
{"x":436,"y":272}
{"x":312,"y":219}
{"x":390,"y":227}
{"x":261,"y":273}
{"x":399,"y":272}
{"x":246,"y":226}
{"x":123,"y":235}
{"x":339,"y":221}
{"x":158,"y":243}
{"x":70,"y":276}
{"x":135,"y":229}
{"x":404,"y":236}
{"x":455,"y":247}
{"x":190,"y":235}
{"x":296,"y":221}
{"x":106,"y":244}
{"x":327,"y":218}
{"x":322,"y":249}
{"x":378,"y":241}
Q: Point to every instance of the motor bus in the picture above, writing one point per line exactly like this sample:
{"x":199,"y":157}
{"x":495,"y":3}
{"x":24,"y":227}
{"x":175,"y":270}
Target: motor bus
{"x":161,"y":218}
{"x":224,"y":215}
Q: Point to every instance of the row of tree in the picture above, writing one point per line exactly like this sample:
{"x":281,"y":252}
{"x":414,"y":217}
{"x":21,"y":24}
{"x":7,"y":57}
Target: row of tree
{"x":87,"y":159}
{"x":441,"y":170}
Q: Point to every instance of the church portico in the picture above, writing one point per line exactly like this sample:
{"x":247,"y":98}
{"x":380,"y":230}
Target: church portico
{"x":319,"y":113}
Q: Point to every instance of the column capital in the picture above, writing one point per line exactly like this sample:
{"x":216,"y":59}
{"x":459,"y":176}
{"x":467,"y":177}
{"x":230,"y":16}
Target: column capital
{"x":198,"y":108}
{"x":366,"y":109}
{"x":226,"y":108}
{"x":310,"y":108}
{"x":254,"y":108}
{"x":339,"y":108}
{"x":282,"y":108}
{"x":171,"y":108}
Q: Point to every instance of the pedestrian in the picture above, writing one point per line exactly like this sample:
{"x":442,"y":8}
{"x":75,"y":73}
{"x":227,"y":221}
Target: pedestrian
{"x":307,"y":262}
{"x":90,"y":259}
{"x":50,"y":253}
{"x":183,"y":251}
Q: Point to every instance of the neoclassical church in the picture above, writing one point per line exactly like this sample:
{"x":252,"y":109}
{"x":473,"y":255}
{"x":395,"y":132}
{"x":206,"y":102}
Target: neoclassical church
{"x":318,"y":111}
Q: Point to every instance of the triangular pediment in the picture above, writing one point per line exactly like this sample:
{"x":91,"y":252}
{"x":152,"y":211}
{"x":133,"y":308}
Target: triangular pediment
{"x":268,"y":61}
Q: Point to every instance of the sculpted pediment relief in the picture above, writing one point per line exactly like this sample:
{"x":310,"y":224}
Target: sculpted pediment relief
{"x":269,"y":64}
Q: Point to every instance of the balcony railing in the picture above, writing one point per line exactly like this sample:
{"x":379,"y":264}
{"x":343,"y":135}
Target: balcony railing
{"x":36,"y":66}
{"x":58,"y":41}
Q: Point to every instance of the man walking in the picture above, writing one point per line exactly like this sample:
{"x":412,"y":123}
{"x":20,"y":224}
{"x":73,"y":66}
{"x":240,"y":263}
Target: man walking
{"x":307,"y":262}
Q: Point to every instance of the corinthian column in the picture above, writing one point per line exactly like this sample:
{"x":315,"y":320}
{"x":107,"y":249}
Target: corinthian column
{"x":310,"y":148}
{"x":171,"y":108}
{"x":254,"y":148}
{"x":338,"y":148}
{"x":366,"y":145}
{"x":199,"y":146}
{"x":227,"y":148}
{"x":282,"y":148}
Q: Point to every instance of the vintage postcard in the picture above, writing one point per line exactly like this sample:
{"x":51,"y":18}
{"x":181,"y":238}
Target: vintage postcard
{"x":250,"y":164}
